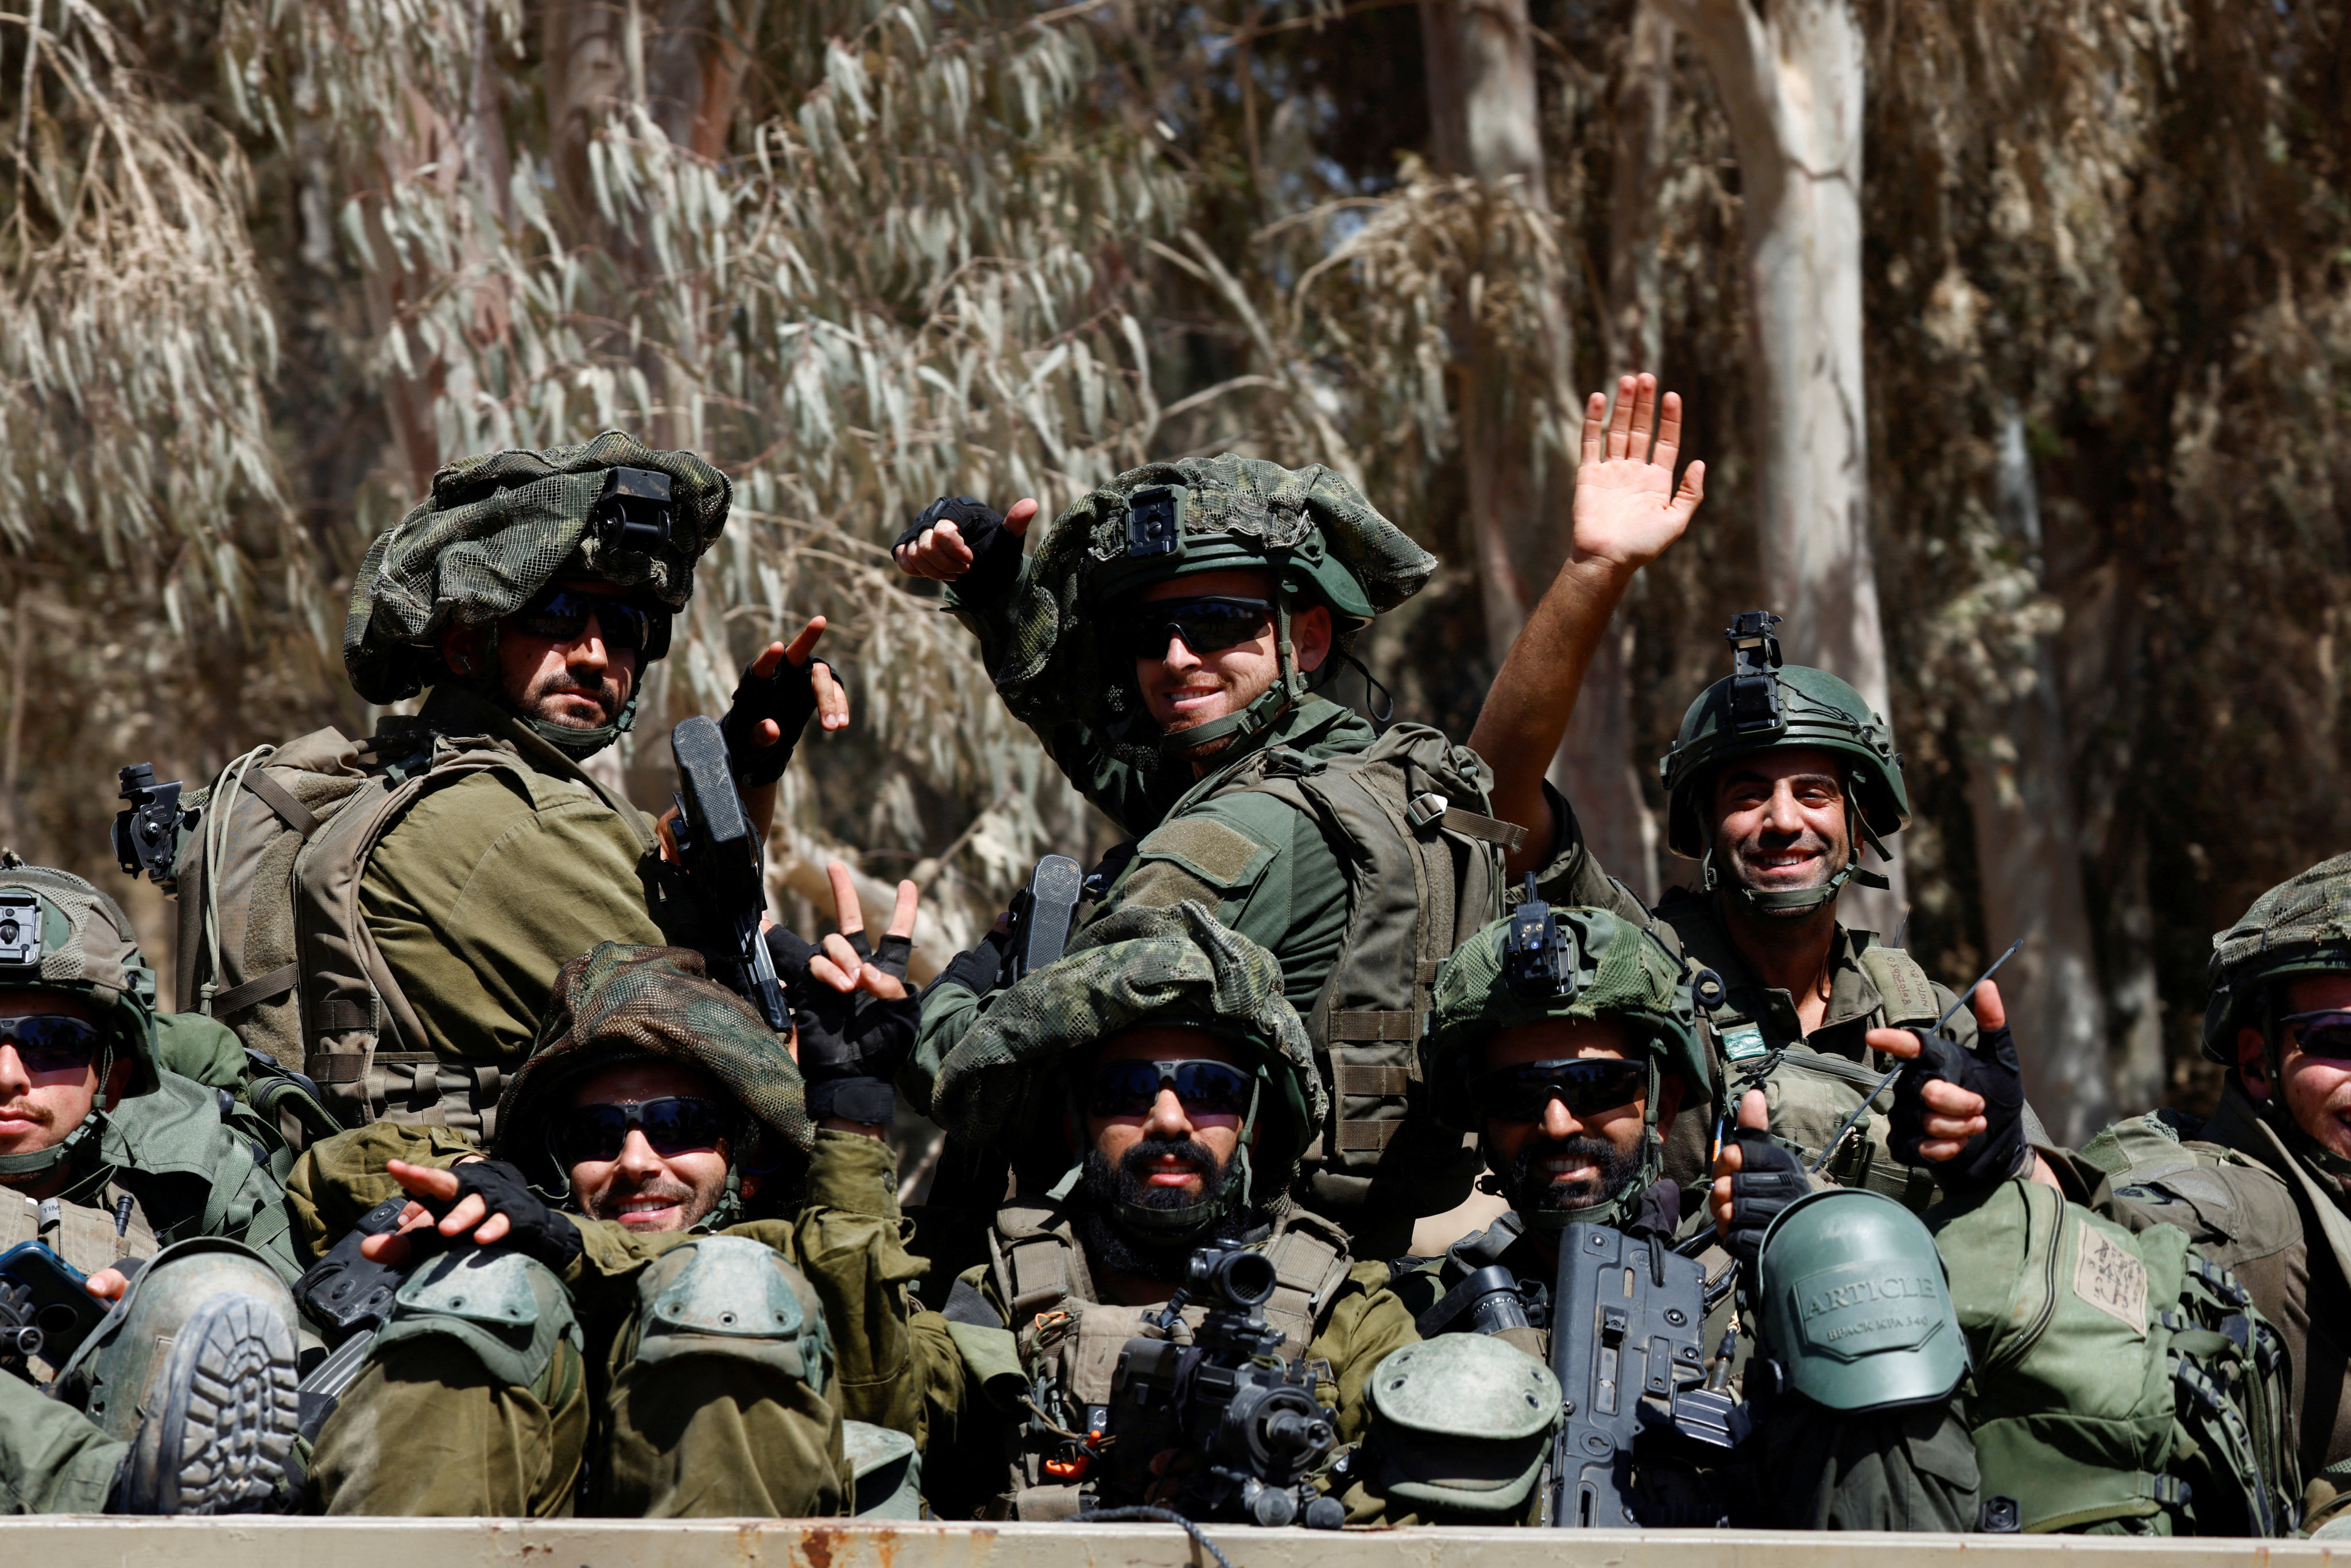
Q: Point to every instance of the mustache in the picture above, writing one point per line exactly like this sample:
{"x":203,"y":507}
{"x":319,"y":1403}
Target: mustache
{"x":1130,"y":1181}
{"x":37,"y":1114}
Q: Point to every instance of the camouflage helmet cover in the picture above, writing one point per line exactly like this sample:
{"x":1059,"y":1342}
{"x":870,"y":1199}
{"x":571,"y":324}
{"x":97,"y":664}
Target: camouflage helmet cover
{"x":1816,"y":709}
{"x":2302,"y":926}
{"x":1310,"y":526}
{"x":616,"y":1004}
{"x":497,"y":529}
{"x":81,"y":943}
{"x":1138,"y":966}
{"x":1611,"y":969}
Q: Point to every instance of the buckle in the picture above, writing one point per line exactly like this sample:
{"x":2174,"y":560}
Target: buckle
{"x":1423,"y":809}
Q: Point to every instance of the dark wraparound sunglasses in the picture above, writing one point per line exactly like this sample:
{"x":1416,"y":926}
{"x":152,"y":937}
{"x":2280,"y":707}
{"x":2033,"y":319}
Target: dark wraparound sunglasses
{"x":677,"y":1125}
{"x":1587,"y":1085}
{"x":2324,"y":1033}
{"x":50,"y":1043}
{"x":560,"y":614}
{"x":1206,"y":624}
{"x":1130,"y":1088}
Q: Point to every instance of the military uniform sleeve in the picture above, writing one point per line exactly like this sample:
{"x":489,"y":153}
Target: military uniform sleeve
{"x":1572,"y":878}
{"x":339,"y":1179}
{"x":950,"y":1009}
{"x":852,"y":1247}
{"x":1367,"y":1322}
{"x":484,"y":891}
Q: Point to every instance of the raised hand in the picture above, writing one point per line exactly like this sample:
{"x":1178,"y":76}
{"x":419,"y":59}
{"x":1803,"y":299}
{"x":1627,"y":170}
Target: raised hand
{"x":853,"y":1019}
{"x":1627,"y":510}
{"x":781,"y":690}
{"x":945,"y":540}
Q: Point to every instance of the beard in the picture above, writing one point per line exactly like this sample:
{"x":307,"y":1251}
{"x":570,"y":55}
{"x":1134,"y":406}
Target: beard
{"x":1110,"y":1245}
{"x":1531,"y":1192}
{"x":606,"y":692}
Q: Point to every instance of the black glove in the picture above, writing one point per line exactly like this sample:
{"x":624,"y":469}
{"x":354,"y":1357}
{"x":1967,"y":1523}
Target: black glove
{"x":787,"y":696}
{"x":995,"y":550}
{"x":980,"y":967}
{"x":1990,"y":1070}
{"x":789,"y":951}
{"x":1768,"y":1180}
{"x":536,"y":1230}
{"x":851,"y":1044}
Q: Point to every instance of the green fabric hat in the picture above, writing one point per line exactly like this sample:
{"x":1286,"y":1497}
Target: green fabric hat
{"x":501,"y":527}
{"x":2302,"y":926}
{"x":1610,"y":968}
{"x":1005,"y":1080}
{"x":58,"y":933}
{"x":1310,"y":527}
{"x":617,"y":1003}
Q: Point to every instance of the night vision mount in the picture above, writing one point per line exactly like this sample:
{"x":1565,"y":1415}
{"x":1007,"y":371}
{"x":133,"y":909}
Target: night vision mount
{"x":1531,"y":966}
{"x":633,"y":512}
{"x":1754,"y":672}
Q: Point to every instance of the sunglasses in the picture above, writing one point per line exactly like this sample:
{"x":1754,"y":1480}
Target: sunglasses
{"x":1586,"y":1086}
{"x":560,"y":614}
{"x":1131,"y":1087}
{"x":49,"y":1042}
{"x":1206,"y":624}
{"x":2324,"y":1033}
{"x":677,"y":1125}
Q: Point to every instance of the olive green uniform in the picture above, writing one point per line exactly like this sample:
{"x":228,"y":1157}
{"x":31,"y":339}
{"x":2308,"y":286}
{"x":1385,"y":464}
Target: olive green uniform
{"x":486,"y":886}
{"x":2254,"y":1205}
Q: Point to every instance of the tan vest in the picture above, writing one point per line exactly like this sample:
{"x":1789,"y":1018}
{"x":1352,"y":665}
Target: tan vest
{"x":85,"y":1238}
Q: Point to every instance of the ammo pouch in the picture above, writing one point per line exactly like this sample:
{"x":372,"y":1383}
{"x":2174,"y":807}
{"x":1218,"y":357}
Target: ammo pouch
{"x":1424,"y":864}
{"x":2122,"y":1384}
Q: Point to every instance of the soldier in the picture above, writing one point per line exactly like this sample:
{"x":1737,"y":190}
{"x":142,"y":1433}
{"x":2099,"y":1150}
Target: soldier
{"x":451,"y":863}
{"x":1779,"y":778}
{"x":1570,"y":1055}
{"x":1158,"y":1090}
{"x":123,"y":1167}
{"x":2260,"y":1185}
{"x":721,"y":1282}
{"x":1167,"y":643}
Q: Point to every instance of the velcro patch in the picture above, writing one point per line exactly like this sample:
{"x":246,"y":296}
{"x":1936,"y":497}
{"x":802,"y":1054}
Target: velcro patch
{"x":2110,"y":1279}
{"x":1902,"y":986}
{"x":1221,"y":856}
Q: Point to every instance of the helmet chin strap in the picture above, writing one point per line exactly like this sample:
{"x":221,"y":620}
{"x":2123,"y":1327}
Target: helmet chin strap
{"x":1261,"y":715}
{"x":41,"y":1162}
{"x":1795,"y":903}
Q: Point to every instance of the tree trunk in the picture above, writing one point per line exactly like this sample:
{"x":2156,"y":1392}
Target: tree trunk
{"x":1484,"y":123}
{"x":2028,"y":861}
{"x":1790,"y":73}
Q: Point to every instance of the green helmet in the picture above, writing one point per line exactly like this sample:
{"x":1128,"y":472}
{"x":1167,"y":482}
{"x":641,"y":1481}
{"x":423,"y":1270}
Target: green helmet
{"x":58,"y":933}
{"x":502,"y":526}
{"x":1007,"y":1081}
{"x":1762,"y":706}
{"x":2302,"y":926}
{"x":1578,"y":964}
{"x":1310,"y":528}
{"x":617,"y":1004}
{"x":1853,"y":1303}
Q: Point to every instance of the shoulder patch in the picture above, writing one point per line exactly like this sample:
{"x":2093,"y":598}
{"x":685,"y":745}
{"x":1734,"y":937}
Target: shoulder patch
{"x":1221,"y":856}
{"x":1902,"y":984}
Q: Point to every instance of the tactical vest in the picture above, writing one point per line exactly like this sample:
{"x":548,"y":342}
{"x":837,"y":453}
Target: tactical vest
{"x":87,"y":1238}
{"x":1069,"y":1341}
{"x":2122,"y":1382}
{"x":1424,"y":873}
{"x":272,"y":938}
{"x":1809,"y":1091}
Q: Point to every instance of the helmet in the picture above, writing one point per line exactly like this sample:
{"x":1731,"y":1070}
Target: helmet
{"x":2302,"y":926}
{"x":501,"y":527}
{"x":1540,"y":962}
{"x":1323,"y":542}
{"x":1762,"y":706}
{"x":1006,"y":1080}
{"x":58,"y":933}
{"x":617,"y":1004}
{"x":1853,"y":1303}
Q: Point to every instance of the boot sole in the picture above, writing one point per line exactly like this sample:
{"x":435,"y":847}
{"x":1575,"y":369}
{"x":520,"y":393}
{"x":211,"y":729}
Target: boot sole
{"x":229,"y":1411}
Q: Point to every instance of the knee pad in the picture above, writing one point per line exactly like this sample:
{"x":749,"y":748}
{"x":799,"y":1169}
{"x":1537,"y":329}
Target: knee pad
{"x":508,"y":1310}
{"x":109,"y":1375}
{"x":729,"y":1295}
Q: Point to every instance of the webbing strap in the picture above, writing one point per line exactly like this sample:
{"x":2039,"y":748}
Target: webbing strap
{"x":1487,"y":830}
{"x":1366,"y":1137}
{"x":1354,"y":1078}
{"x":260,"y":988}
{"x":1369,"y":1025}
{"x":1041,"y":1274}
{"x":273,"y":795}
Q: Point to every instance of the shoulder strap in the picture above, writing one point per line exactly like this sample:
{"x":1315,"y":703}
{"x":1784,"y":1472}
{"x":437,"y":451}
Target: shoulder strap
{"x":1310,"y":1260}
{"x":1036,"y":1263}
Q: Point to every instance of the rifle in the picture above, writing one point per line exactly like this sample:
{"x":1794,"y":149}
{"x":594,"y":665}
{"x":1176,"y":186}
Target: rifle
{"x":1043,"y":914}
{"x":351,"y":1296}
{"x":1624,"y":1346}
{"x":46,"y":1308}
{"x":720,"y":855}
{"x":1249,"y":1421}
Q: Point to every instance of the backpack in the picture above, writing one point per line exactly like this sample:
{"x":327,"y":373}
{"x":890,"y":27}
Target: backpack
{"x":1424,"y":875}
{"x":273,"y":944}
{"x":2123,"y":1383}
